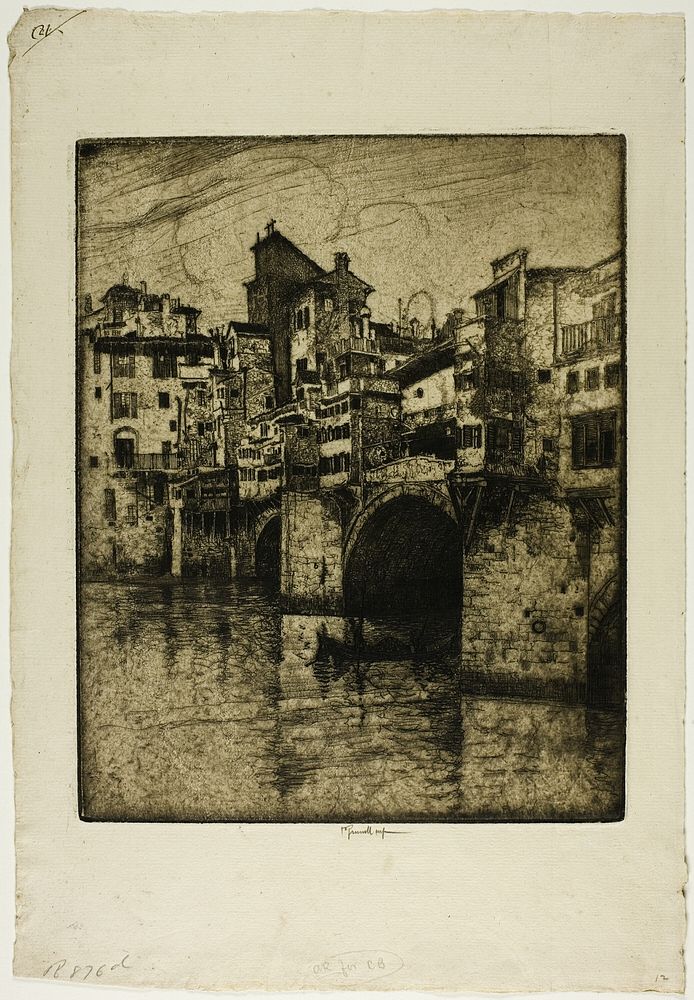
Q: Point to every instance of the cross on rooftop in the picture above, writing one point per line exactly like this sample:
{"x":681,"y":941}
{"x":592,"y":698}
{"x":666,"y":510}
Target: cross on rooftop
{"x":270,"y":227}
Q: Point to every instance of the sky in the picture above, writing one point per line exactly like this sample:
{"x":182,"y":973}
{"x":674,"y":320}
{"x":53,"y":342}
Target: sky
{"x":420,"y":217}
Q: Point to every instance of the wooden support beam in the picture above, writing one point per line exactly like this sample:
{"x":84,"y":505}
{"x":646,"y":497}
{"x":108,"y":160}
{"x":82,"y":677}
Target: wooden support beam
{"x":473,"y":518}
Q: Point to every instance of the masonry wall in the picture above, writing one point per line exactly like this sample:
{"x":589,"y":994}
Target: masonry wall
{"x":525,"y":597}
{"x":311,"y":558}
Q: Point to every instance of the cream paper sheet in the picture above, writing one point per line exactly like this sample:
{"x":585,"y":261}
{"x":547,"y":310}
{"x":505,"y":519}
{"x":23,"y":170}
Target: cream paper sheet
{"x":300,"y":907}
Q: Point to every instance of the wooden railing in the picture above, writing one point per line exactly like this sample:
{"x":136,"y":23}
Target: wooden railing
{"x":601,"y":331}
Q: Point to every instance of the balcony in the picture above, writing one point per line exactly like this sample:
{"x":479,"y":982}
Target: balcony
{"x":582,"y":338}
{"x":152,"y":462}
{"x":362,"y":345}
{"x":395,"y":345}
{"x":431,"y":415}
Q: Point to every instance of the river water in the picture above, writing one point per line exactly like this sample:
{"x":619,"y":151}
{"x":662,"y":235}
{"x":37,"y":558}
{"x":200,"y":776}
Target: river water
{"x":201,"y":701}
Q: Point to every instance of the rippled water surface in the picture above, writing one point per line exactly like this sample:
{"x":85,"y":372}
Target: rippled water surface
{"x":201,"y":701}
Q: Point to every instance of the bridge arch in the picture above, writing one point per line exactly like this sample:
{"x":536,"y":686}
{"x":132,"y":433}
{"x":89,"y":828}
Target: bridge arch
{"x":403,"y":553}
{"x":268,"y":535}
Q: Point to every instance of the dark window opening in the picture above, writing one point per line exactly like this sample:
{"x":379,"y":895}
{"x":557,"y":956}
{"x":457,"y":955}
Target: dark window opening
{"x":110,"y":505}
{"x":544,"y":375}
{"x":93,"y":461}
{"x":592,"y":378}
{"x":173,"y":425}
{"x":125,"y":453}
{"x":572,"y":382}
{"x":124,"y":404}
{"x":471,"y":436}
{"x":164,"y":401}
{"x":612,"y":375}
{"x":97,"y":392}
{"x":593,"y":440}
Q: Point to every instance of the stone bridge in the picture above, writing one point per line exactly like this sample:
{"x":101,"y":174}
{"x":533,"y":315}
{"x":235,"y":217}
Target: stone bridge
{"x":519,"y":564}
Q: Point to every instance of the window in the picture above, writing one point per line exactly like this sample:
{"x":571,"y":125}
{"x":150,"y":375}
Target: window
{"x":110,"y":505}
{"x":164,"y":401}
{"x":548,"y":445}
{"x":125,"y":452}
{"x":345,"y":430}
{"x":593,"y":440}
{"x":505,"y":436}
{"x":471,"y":436}
{"x":97,"y":392}
{"x":166,"y":447}
{"x":306,"y":317}
{"x":124,"y":364}
{"x":97,"y":362}
{"x":467,"y":380}
{"x":592,"y":378}
{"x":131,"y":514}
{"x":93,"y":461}
{"x":302,"y":432}
{"x":209,"y":426}
{"x":544,"y":375}
{"x":201,"y":397}
{"x":269,"y":402}
{"x":164,"y":366}
{"x":173,"y":425}
{"x":344,"y":408}
{"x":300,"y":319}
{"x":302,"y":364}
{"x":355,"y":402}
{"x":572,"y":382}
{"x":328,"y":305}
{"x":419,"y":393}
{"x":158,"y":491}
{"x":124,"y":404}
{"x":201,"y":428}
{"x":612,"y":375}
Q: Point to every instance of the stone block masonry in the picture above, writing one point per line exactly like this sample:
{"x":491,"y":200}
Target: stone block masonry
{"x":311,"y":556}
{"x":525,"y":597}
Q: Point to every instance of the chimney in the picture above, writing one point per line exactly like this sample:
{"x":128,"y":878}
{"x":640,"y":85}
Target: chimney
{"x":166,"y":303}
{"x":143,"y":287}
{"x":365,"y":322}
{"x":341,"y":263}
{"x":87,"y":304}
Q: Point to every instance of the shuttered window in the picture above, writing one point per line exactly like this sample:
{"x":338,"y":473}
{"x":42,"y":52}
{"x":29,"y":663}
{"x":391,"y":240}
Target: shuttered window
{"x":124,"y":364}
{"x":471,"y":436}
{"x":110,"y":505}
{"x":593,"y":440}
{"x":124,"y":404}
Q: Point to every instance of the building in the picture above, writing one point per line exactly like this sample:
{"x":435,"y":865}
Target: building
{"x":144,"y":370}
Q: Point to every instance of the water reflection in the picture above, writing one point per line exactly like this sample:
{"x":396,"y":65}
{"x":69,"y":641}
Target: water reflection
{"x":200,"y":701}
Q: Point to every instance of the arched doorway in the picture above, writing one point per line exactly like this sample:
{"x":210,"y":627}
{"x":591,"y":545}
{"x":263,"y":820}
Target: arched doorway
{"x":267,"y":552}
{"x":606,"y":686}
{"x":125,"y":447}
{"x":405,"y":560}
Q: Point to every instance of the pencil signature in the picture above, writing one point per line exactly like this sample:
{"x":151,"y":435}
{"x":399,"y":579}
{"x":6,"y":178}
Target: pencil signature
{"x":350,"y":830}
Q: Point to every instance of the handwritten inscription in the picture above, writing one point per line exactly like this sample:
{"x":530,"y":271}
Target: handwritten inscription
{"x":350,"y":830}
{"x":62,"y":969}
{"x":40,"y":32}
{"x":357,"y":966}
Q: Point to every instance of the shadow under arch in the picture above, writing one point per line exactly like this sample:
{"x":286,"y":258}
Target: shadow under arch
{"x":267,"y":550}
{"x":403,"y":557}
